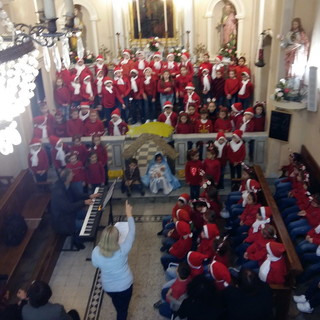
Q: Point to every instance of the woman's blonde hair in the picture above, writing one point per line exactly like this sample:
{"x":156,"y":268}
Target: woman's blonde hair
{"x":109,"y":241}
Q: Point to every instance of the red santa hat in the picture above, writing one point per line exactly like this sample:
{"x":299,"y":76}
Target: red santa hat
{"x":185,"y":198}
{"x":85,"y":105}
{"x":205,"y":69}
{"x":275,"y":248}
{"x":126,"y":52}
{"x":107,"y":80}
{"x":39,"y":120}
{"x":35,"y":142}
{"x":249,"y":111}
{"x":157,"y":54}
{"x":115,"y":113}
{"x":117,"y":69}
{"x":265,"y":212}
{"x":167,"y":104}
{"x":170,"y":54}
{"x":210,"y":231}
{"x":186,"y":54}
{"x":190,"y":86}
{"x":183,"y":229}
{"x":195,"y":259}
{"x":134,"y":70}
{"x":253,"y":185}
{"x":100,"y":58}
{"x":146,"y":69}
{"x":236,"y":107}
{"x":220,"y":273}
{"x":54,"y":140}
{"x":237,"y":133}
{"x":183,"y":215}
{"x":79,"y":59}
{"x":244,"y":73}
{"x":220,"y":135}
{"x":218,"y":58}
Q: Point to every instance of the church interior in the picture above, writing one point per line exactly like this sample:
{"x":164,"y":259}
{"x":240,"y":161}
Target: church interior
{"x":278,"y":40}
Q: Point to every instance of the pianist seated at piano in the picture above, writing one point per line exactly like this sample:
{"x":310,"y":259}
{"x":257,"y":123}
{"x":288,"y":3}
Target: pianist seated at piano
{"x":68,"y":210}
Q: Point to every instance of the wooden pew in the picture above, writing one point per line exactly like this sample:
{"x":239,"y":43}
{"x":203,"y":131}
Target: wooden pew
{"x":282,"y":294}
{"x":26,"y":197}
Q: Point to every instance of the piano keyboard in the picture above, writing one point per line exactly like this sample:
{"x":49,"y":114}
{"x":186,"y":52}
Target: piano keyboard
{"x":92,"y":219}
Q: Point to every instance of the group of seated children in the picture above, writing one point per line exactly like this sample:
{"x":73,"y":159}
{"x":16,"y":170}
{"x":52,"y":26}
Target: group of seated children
{"x":301,"y":213}
{"x":193,"y":239}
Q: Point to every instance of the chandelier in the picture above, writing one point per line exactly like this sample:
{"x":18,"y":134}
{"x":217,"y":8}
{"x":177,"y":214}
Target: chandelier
{"x":19,"y":67}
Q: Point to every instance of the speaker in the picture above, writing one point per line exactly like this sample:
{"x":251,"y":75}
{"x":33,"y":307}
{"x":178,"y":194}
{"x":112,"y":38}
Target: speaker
{"x":312,"y":89}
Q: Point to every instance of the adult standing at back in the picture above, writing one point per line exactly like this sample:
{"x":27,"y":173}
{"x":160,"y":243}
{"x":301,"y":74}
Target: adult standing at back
{"x":111,"y":257}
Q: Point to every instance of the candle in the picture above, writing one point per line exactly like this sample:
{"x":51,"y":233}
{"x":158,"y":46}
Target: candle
{"x":69,"y":8}
{"x":49,"y":9}
{"x":138,"y":16}
{"x":165,"y":16}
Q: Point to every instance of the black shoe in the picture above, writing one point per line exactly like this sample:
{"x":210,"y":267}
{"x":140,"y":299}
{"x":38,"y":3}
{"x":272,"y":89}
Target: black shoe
{"x":79,"y":245}
{"x":157,"y":304}
{"x":162,"y":249}
{"x":142,"y":192}
{"x":160,"y":233}
{"x":128,"y":194}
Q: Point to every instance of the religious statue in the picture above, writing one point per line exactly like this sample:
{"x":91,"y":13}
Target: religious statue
{"x":296,"y":48}
{"x":228,"y":24}
{"x":78,"y":25}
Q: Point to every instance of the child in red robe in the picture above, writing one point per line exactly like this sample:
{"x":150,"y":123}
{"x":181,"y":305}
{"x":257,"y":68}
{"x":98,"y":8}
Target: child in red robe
{"x":126,"y":63}
{"x":245,"y":92}
{"x":259,"y":116}
{"x":203,"y":125}
{"x":192,"y":173}
{"x":74,"y":125}
{"x":231,"y":88}
{"x":74,"y":89}
{"x":236,"y":114}
{"x":193,"y":114}
{"x":62,"y":98}
{"x":79,"y":177}
{"x":171,"y":65}
{"x":93,"y":126}
{"x":273,"y":270}
{"x":205,"y":64}
{"x":59,"y":126}
{"x":149,"y":92}
{"x":246,"y":123}
{"x":117,"y":127}
{"x":218,"y":88}
{"x":87,"y":91}
{"x":95,"y":173}
{"x":156,"y":64}
{"x":80,"y":148}
{"x":190,"y":97}
{"x":168,"y":116}
{"x":41,"y":129}
{"x":38,"y":160}
{"x":184,"y":126}
{"x":181,"y":81}
{"x":100,"y":66}
{"x":211,"y":165}
{"x":186,"y":62}
{"x":223,"y":123}
{"x":141,"y":63}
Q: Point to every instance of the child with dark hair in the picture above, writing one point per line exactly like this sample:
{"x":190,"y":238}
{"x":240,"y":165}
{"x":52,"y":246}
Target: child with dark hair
{"x":59,"y":126}
{"x":203,"y":125}
{"x":173,"y":296}
{"x":259,"y":116}
{"x":95,"y":173}
{"x":80,"y":148}
{"x":223,"y":122}
{"x":192,"y":173}
{"x":211,"y":165}
{"x":184,"y":125}
{"x":38,"y":160}
{"x":236,"y":153}
{"x":74,"y":124}
{"x":102,"y":154}
{"x":132,"y":179}
{"x":76,"y":166}
{"x":62,"y":97}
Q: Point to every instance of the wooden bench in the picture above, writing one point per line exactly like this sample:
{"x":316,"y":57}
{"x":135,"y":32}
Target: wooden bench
{"x":26,"y":197}
{"x":282,"y":294}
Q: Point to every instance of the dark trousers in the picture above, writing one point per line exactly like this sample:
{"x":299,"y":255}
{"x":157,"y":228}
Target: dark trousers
{"x":235,"y":170}
{"x":194,"y":192}
{"x":121,"y":302}
{"x":150,"y":108}
{"x":313,"y":293}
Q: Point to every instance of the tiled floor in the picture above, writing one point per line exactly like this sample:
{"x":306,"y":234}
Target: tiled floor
{"x":73,"y":276}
